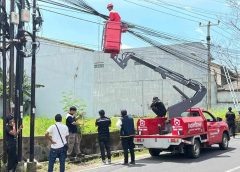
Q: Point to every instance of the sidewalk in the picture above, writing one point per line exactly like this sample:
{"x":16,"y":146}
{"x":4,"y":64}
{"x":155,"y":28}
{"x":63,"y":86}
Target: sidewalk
{"x":89,"y":161}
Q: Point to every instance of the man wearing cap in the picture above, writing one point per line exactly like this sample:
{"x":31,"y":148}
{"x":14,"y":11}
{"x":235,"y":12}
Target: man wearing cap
{"x":11,"y":135}
{"x":103,"y":123}
{"x":113,"y":15}
{"x":158,"y":107}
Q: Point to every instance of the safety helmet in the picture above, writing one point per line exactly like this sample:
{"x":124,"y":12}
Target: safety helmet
{"x":110,"y":5}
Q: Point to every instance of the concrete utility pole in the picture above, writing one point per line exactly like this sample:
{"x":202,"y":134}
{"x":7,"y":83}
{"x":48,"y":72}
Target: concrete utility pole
{"x":208,"y":38}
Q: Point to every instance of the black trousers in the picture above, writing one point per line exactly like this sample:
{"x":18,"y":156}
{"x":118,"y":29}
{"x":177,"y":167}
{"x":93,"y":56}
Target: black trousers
{"x":128,"y":144}
{"x":232,"y":128}
{"x":104,"y":143}
{"x":12,"y":156}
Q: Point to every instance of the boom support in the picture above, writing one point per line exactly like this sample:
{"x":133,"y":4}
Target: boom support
{"x":176,"y":109}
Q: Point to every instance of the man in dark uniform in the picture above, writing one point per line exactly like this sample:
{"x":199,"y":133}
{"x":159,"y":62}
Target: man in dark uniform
{"x":230,"y":117}
{"x":158,"y":107}
{"x":127,"y":133}
{"x":103,"y":123}
{"x":11,"y":134}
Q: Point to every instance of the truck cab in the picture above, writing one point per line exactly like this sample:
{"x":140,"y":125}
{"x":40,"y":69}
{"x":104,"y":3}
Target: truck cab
{"x":187,"y":133}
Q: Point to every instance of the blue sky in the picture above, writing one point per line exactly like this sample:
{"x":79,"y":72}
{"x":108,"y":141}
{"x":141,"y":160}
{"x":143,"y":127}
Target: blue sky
{"x":90,"y":35}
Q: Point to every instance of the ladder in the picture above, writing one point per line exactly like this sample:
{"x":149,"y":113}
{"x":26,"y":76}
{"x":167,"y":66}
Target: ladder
{"x":231,"y":88}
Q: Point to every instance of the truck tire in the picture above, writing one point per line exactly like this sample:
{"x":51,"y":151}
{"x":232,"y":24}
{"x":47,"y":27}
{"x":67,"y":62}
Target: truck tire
{"x":194,"y":150}
{"x":224,"y":144}
{"x":154,"y":152}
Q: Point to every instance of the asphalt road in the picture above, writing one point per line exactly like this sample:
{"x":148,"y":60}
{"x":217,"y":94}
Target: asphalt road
{"x":211,"y":160}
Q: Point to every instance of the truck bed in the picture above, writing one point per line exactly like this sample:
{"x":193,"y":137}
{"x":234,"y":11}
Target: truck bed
{"x":169,"y":135}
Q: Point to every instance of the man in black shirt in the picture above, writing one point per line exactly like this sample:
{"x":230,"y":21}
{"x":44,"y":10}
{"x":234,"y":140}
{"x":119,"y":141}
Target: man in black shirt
{"x":103,"y":123}
{"x":158,"y":107}
{"x":230,"y":117}
{"x":11,"y":134}
{"x":73,"y":138}
{"x":127,"y":133}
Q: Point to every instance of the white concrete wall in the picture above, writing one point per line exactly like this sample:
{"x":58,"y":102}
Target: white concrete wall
{"x":134,"y":87}
{"x":62,"y":68}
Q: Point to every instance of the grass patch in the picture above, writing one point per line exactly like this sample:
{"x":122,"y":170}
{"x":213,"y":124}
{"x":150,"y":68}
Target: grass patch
{"x":42,"y":123}
{"x":221,"y":113}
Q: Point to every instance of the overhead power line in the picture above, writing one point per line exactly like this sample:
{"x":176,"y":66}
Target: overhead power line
{"x":70,"y":16}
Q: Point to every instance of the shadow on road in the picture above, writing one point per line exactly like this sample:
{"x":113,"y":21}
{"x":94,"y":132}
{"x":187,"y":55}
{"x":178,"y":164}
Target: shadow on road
{"x":206,"y":154}
{"x":130,"y":166}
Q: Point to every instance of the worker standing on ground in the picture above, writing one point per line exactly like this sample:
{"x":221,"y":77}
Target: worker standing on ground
{"x":127,"y":133}
{"x":230,"y":118}
{"x":103,"y":123}
{"x":158,"y":107}
{"x":57,"y":135}
{"x":11,"y":135}
{"x":113,"y":15}
{"x":74,"y":137}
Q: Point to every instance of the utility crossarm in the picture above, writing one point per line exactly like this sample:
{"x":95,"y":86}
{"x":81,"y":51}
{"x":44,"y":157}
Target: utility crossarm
{"x":188,"y":102}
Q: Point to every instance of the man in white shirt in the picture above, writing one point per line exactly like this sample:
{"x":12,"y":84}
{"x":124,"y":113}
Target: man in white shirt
{"x":57,"y":134}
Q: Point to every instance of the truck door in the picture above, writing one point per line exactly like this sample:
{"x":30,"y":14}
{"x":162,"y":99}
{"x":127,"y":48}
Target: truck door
{"x":213,"y":128}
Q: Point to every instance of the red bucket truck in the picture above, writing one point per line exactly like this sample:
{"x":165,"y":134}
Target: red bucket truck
{"x":186,"y":129}
{"x":186,"y":133}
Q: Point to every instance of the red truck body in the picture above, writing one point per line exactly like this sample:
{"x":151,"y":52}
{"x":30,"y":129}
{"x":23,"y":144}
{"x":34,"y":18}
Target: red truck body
{"x":181,"y":133}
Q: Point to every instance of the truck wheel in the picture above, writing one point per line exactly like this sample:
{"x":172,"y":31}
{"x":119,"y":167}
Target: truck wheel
{"x":194,"y":150}
{"x":154,"y":152}
{"x":224,"y":144}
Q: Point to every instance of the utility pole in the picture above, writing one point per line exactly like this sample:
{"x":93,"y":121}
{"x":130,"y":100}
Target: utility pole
{"x":11,"y":65}
{"x":19,"y":80}
{"x":3,"y":32}
{"x":208,"y":38}
{"x":32,"y":166}
{"x":33,"y":83}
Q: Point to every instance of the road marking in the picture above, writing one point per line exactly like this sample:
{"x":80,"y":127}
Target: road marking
{"x":233,"y":169}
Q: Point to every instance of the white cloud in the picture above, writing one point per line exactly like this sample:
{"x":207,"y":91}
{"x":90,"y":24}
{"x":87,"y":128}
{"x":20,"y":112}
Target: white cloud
{"x":124,"y":46}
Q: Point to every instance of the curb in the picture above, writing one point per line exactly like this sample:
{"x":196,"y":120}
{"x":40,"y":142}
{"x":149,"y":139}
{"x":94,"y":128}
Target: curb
{"x":87,"y":158}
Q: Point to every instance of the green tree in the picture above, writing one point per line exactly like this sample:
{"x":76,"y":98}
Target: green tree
{"x":70,"y":100}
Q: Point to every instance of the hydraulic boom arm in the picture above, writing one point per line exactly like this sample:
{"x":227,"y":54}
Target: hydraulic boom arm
{"x":188,"y":102}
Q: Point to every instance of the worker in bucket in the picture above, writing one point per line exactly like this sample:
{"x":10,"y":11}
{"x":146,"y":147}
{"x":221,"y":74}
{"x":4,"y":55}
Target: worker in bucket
{"x":230,"y":118}
{"x":158,"y":107}
{"x":113,"y":15}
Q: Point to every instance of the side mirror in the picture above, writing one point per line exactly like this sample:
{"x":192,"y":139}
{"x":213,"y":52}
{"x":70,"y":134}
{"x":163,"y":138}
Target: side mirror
{"x":219,"y":119}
